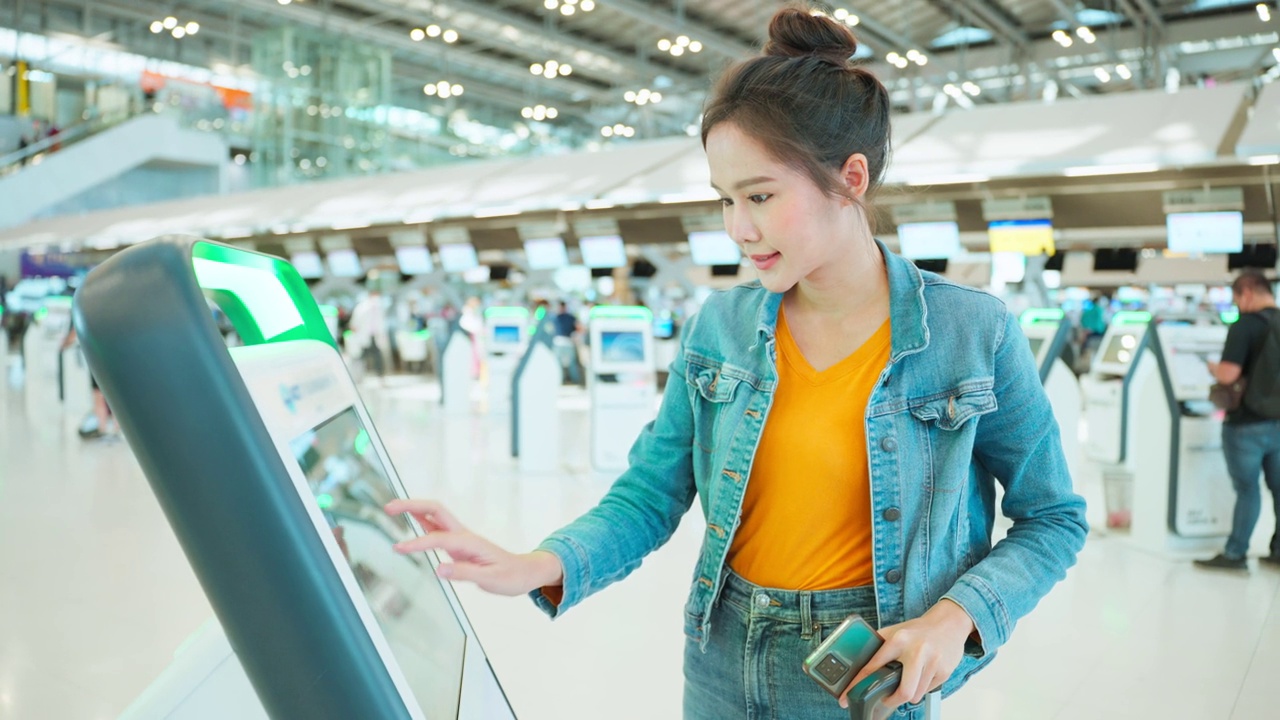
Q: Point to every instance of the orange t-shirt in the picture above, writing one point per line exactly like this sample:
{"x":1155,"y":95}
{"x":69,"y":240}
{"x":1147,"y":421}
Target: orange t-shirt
{"x":806,"y":516}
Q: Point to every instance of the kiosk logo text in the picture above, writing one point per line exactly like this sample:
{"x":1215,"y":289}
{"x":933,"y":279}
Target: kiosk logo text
{"x":290,"y":395}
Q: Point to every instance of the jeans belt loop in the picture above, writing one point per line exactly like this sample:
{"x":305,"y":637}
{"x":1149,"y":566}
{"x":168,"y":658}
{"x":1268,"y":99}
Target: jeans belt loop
{"x":806,"y":614}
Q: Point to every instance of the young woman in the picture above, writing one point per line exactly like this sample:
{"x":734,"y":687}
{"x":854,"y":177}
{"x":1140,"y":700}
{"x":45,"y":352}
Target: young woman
{"x":843,"y":423}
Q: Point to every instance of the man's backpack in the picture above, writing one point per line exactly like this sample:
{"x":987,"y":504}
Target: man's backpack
{"x":1262,"y":396}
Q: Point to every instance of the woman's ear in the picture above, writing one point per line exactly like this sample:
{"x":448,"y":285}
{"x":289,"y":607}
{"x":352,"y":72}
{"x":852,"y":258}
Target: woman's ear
{"x":854,"y":176}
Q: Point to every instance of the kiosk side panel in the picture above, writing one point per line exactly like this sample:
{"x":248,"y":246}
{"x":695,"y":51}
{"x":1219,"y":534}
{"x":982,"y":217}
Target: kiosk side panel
{"x":162,"y":365}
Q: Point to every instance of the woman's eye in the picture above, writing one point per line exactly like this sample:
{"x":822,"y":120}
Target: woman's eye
{"x":757,"y":199}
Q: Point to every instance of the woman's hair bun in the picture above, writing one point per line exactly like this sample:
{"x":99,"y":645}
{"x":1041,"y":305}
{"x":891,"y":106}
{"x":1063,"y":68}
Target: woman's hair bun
{"x":796,"y":32}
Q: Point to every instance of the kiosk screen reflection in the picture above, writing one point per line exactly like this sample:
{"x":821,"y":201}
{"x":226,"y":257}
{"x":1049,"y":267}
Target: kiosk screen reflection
{"x":351,"y":486}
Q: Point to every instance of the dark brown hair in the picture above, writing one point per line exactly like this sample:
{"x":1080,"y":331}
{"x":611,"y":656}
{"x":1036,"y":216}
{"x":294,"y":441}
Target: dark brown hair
{"x":805,"y":100}
{"x":1252,"y":280}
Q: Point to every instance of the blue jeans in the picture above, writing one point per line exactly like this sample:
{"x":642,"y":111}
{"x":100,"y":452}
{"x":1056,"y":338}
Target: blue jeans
{"x":1251,"y":449}
{"x":752,"y":668}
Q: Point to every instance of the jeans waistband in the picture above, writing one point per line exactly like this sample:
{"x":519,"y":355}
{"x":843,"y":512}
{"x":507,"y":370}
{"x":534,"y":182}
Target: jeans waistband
{"x":799,"y":606}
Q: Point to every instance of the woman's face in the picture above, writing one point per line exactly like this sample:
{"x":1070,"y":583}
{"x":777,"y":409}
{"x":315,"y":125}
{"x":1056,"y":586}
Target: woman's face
{"x":786,"y":225}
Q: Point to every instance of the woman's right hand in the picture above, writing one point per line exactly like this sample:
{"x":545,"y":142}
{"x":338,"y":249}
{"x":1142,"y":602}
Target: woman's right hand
{"x":475,"y":559}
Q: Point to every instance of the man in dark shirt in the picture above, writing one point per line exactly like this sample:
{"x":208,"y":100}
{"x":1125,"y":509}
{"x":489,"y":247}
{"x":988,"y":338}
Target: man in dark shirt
{"x":1250,"y":441}
{"x":567,"y":347}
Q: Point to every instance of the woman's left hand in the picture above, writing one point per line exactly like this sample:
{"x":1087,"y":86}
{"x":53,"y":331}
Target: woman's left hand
{"x":929,"y":648}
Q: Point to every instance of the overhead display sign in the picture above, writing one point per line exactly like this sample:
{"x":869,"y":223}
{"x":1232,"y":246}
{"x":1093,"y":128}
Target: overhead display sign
{"x":929,"y":240}
{"x":1028,"y":237}
{"x":1206,"y":232}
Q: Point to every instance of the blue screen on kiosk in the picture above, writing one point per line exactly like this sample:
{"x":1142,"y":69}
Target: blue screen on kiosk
{"x":622,"y":347}
{"x":506,"y":334}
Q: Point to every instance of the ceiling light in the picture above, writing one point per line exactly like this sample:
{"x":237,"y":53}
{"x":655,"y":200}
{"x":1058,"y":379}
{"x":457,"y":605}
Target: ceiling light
{"x":840,"y":14}
{"x":526,"y":112}
{"x":552,"y":113}
{"x":972,"y":88}
{"x":551,"y":4}
{"x":450,"y":36}
{"x":417,"y":34}
{"x":193,"y":28}
{"x":1264,"y":12}
{"x":284,"y":2}
{"x":664,"y":44}
{"x":587,"y":5}
{"x":179,"y":32}
{"x":566,"y":70}
{"x":1102,"y":75}
{"x":606,"y":131}
{"x":170,"y":22}
{"x":157,"y":27}
{"x":677,"y":50}
{"x":1264,"y":160}
{"x":567,"y":10}
{"x":456,"y":89}
{"x":433,"y":31}
{"x":1124,"y":72}
{"x":629,"y":96}
{"x":536,"y":68}
{"x":655,"y":98}
{"x":1085,"y":34}
{"x":549,"y":74}
{"x":695,"y":46}
{"x":683,"y":41}
{"x":429,"y":89}
{"x":912,"y":54}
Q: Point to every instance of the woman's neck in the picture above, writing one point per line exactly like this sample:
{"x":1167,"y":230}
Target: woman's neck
{"x":855,"y":284}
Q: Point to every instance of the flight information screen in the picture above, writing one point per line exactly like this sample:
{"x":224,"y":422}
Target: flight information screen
{"x":351,"y":485}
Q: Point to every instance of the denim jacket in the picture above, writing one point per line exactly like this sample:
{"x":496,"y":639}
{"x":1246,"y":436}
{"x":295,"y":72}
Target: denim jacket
{"x":958,"y":407}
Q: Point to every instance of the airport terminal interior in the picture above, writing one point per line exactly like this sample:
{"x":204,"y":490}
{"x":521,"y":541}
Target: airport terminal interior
{"x":320,"y":254}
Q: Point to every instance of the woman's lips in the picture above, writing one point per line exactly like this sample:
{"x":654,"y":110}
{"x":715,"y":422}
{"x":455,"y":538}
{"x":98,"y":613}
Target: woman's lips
{"x":764,"y":262}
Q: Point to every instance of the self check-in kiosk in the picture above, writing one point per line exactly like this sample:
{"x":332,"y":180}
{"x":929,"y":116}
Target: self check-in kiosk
{"x":272,"y":476}
{"x":621,"y":382}
{"x":1182,"y":495}
{"x":535,"y":412}
{"x":1048,"y":332}
{"x":1108,"y":415}
{"x":506,"y":334}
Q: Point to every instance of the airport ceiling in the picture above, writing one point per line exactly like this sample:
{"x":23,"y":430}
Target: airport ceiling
{"x":931,"y":53}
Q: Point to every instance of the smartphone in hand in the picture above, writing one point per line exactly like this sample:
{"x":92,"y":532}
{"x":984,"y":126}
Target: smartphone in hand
{"x":842,"y":655}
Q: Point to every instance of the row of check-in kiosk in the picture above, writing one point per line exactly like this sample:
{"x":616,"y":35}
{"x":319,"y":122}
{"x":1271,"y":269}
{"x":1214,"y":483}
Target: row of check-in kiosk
{"x":1152,"y":436}
{"x":273,"y":477}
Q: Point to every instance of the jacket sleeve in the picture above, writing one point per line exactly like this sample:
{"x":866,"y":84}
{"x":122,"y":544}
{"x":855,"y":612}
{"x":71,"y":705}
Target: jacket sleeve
{"x":641,"y":510}
{"x":1019,"y":443}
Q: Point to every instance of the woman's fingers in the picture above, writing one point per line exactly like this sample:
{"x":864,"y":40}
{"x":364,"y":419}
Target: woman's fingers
{"x":458,"y":545}
{"x":431,"y":514}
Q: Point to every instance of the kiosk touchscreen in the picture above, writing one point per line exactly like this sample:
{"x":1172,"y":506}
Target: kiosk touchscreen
{"x":1107,"y":414}
{"x":506,"y":334}
{"x":273,"y":477}
{"x":622,"y":383}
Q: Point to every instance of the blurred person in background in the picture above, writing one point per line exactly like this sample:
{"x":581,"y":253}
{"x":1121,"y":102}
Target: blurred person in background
{"x":369,"y":332}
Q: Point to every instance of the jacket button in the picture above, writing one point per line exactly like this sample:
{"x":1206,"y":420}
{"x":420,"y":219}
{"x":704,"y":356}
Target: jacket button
{"x":892,"y":514}
{"x":893,"y":576}
{"x":888,"y":444}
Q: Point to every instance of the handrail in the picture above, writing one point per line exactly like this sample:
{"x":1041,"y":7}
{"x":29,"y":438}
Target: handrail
{"x":70,"y":135}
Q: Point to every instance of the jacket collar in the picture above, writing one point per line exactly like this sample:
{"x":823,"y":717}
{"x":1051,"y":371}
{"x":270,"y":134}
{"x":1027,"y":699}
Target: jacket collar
{"x":908,"y":312}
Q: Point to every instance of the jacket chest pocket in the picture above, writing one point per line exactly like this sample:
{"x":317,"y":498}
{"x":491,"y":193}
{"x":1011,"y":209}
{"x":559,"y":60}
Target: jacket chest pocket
{"x":713,"y":395}
{"x":948,"y":425}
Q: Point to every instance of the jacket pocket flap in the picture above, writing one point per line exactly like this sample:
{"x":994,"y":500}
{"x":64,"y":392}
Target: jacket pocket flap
{"x":953,"y":411}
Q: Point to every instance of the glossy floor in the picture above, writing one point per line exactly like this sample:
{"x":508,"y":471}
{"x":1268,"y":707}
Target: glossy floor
{"x":95,"y":594}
